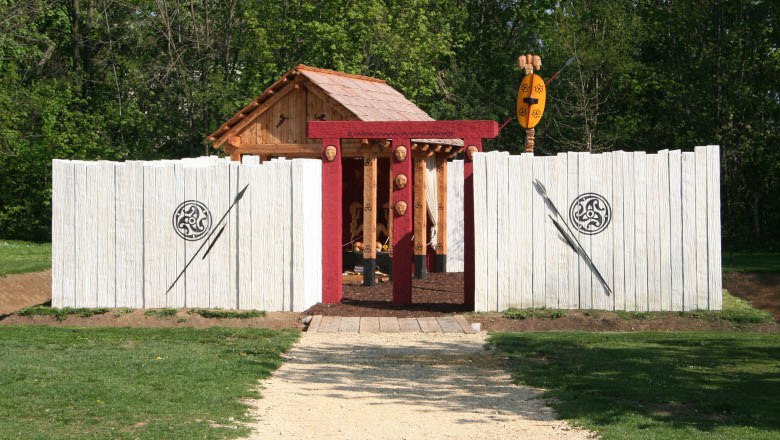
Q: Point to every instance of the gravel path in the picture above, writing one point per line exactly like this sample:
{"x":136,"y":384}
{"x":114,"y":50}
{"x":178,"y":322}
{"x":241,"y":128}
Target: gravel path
{"x":399,"y":386}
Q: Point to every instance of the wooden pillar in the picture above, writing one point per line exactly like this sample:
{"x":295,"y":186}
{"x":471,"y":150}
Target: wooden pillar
{"x":390,"y":210}
{"x":468,"y":220}
{"x":234,"y":143}
{"x":440,"y":264}
{"x":369,"y":219}
{"x":420,"y":218}
{"x":331,"y":221}
{"x":401,"y":160}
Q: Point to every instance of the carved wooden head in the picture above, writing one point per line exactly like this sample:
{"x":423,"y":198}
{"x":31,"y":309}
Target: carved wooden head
{"x":400,"y":207}
{"x":470,"y":152}
{"x":537,"y":62}
{"x":400,"y":153}
{"x":400,"y":181}
{"x":330,"y":153}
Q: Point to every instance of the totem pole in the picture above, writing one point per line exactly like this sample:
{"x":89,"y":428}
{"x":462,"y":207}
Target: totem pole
{"x":530,"y":98}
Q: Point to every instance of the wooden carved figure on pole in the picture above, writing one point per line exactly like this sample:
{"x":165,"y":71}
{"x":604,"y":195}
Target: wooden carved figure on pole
{"x":530,"y":98}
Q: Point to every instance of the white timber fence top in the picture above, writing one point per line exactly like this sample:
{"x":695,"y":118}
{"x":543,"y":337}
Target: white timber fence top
{"x":612,"y":231}
{"x":200,"y":232}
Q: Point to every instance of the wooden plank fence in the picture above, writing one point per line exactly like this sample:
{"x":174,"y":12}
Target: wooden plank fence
{"x":612,"y":231}
{"x":114,"y":242}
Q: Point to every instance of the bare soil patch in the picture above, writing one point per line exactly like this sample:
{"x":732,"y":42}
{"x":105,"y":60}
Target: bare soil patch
{"x":18,"y":291}
{"x":762,"y":289}
{"x":602,"y":321}
{"x":442,"y":294}
{"x":137,"y":318}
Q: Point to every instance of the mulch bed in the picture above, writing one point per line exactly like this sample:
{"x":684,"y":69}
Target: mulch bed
{"x":437,"y":295}
{"x":761,"y":289}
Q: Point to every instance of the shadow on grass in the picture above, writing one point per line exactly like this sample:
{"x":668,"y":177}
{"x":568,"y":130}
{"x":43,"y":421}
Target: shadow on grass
{"x":690,"y":382}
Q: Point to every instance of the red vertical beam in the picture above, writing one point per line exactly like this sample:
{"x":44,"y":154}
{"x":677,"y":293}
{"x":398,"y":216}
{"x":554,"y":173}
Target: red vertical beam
{"x":331,"y":223}
{"x":402,"y":225}
{"x":468,"y":221}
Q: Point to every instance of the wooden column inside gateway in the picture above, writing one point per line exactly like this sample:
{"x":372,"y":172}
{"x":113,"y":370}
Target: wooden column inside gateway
{"x":402,"y":222}
{"x":369,"y":219}
{"x":440,"y":264}
{"x":331,"y":221}
{"x":468,"y":220}
{"x":420,"y":218}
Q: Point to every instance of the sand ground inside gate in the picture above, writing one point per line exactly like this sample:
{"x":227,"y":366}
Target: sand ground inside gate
{"x":400,"y":386}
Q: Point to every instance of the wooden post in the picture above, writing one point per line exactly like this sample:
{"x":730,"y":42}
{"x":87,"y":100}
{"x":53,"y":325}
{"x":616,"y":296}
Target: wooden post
{"x":468,"y":223}
{"x":402,"y":225}
{"x":369,"y":219}
{"x":420,"y":218}
{"x":390,"y":211}
{"x":529,"y":132}
{"x":331,"y":222}
{"x":440,"y":264}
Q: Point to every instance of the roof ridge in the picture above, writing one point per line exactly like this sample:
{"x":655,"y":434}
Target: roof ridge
{"x":336,"y":73}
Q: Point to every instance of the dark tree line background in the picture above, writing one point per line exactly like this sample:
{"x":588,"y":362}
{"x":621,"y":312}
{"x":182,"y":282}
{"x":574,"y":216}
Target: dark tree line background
{"x":147,"y":79}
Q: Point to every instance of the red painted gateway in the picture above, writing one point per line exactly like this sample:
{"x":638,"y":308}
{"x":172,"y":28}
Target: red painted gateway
{"x":400,"y":134}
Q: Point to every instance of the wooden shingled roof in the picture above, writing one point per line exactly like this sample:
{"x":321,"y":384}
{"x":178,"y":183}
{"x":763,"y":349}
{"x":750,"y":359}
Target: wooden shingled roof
{"x":367,"y":98}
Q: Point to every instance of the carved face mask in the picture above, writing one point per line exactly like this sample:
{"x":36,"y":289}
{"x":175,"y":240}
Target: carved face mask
{"x":470,"y":152}
{"x":400,"y":153}
{"x":400,"y":181}
{"x":400,"y":207}
{"x":330,"y":153}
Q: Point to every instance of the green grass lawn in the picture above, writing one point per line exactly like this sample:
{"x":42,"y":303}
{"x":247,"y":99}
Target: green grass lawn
{"x":654,"y":385}
{"x":23,"y":256}
{"x":751,"y":262}
{"x":58,"y":383}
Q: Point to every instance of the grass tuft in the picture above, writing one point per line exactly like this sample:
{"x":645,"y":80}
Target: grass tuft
{"x":60,"y":314}
{"x":534,"y":313}
{"x":160,"y":313}
{"x":734,"y":310}
{"x":219,"y":314}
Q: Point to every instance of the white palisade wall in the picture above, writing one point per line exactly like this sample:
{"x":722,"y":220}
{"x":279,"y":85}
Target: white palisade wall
{"x":114,"y":245}
{"x":660,"y":250}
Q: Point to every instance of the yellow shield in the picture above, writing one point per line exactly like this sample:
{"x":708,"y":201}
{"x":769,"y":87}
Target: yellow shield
{"x":530,"y":100}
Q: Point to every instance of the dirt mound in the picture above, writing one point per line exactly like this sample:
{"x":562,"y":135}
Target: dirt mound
{"x":761,"y":289}
{"x":23,"y":290}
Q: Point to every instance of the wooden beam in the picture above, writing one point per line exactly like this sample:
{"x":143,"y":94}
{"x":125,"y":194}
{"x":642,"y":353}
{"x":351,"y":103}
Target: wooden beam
{"x":370,"y":209}
{"x":420,"y":218}
{"x":405,"y":129}
{"x":438,"y":147}
{"x":425,"y":147}
{"x":441,"y":214}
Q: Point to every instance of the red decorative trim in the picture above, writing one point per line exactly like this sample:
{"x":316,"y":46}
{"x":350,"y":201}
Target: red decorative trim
{"x":331,"y":225}
{"x":403,"y":129}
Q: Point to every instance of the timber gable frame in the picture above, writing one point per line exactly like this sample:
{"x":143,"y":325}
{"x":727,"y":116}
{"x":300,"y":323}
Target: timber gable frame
{"x":274,"y":124}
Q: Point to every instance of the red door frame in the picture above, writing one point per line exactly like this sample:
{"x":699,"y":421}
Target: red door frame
{"x":400,"y":133}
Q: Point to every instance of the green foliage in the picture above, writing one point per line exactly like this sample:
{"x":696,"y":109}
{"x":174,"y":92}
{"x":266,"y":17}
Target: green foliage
{"x":540,"y":313}
{"x":653,"y":385}
{"x":60,"y":314}
{"x":23,"y":256}
{"x":160,"y":313}
{"x":148,"y":80}
{"x":218,"y":314}
{"x":123,"y":383}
